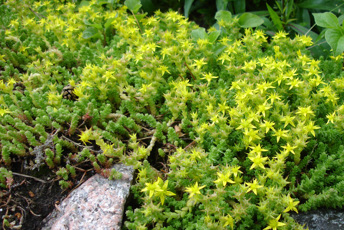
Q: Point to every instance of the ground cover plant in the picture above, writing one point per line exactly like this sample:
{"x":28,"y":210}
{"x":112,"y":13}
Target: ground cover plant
{"x":226,"y":128}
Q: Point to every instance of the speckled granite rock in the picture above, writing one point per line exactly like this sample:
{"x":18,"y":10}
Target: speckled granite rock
{"x":96,"y":204}
{"x":322,"y":219}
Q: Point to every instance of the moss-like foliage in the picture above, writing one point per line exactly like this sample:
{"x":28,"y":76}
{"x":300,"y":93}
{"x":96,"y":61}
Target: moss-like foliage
{"x":246,"y":129}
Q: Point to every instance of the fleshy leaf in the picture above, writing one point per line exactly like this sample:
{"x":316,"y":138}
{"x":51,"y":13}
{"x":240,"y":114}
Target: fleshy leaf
{"x":90,"y":32}
{"x":336,"y":40}
{"x":221,"y":4}
{"x":250,"y":20}
{"x":223,"y":15}
{"x":133,"y":5}
{"x":213,"y":36}
{"x":199,"y":34}
{"x":327,"y":20}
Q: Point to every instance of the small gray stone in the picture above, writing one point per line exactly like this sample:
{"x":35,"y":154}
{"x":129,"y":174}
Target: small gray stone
{"x":96,"y":204}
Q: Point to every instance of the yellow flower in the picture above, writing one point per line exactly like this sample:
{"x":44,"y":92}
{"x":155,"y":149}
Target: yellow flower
{"x":86,"y":135}
{"x":195,"y":155}
{"x":228,"y":221}
{"x":161,"y":192}
{"x":4,"y":111}
{"x":289,"y":148}
{"x":253,"y":186}
{"x":209,"y":77}
{"x":331,"y":117}
{"x":144,"y":88}
{"x":311,"y":127}
{"x":108,"y":150}
{"x":280,"y":34}
{"x":163,"y":69}
{"x":288,"y":120}
{"x":158,"y":188}
{"x":11,"y":82}
{"x":224,"y":178}
{"x":274,"y":224}
{"x":281,"y":133}
{"x":268,"y":125}
{"x":294,"y":83}
{"x":291,"y":205}
{"x":235,"y":170}
{"x":246,"y":124}
{"x":258,"y":161}
{"x":252,"y":135}
{"x":199,"y":63}
{"x":151,"y":188}
{"x":194,"y":190}
{"x":305,"y":111}
{"x":223,"y":107}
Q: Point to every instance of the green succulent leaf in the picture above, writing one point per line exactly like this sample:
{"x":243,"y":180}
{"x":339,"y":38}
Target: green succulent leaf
{"x":133,"y":5}
{"x":90,"y":32}
{"x":223,"y":15}
{"x":239,"y":6}
{"x":221,"y":4}
{"x":247,"y":20}
{"x":336,"y":40}
{"x":108,"y":22}
{"x":327,"y":20}
{"x":94,"y":25}
{"x":213,"y":36}
{"x":199,"y":34}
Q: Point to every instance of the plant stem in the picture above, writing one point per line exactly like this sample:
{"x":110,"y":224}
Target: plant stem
{"x":137,"y":21}
{"x":27,"y":176}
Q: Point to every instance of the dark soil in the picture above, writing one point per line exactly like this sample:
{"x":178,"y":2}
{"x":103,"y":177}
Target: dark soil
{"x":32,"y":197}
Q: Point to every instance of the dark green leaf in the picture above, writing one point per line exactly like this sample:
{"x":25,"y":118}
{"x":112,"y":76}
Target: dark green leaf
{"x":140,"y":16}
{"x":275,"y":18}
{"x":239,"y":6}
{"x":340,"y":19}
{"x":327,"y":5}
{"x":108,"y":22}
{"x":221,"y":4}
{"x":336,"y":40}
{"x":218,"y":49}
{"x":102,"y":3}
{"x":260,"y":13}
{"x":90,"y":32}
{"x":304,"y":31}
{"x":321,"y":36}
{"x":148,"y":6}
{"x":133,"y":5}
{"x":327,"y":20}
{"x":97,"y":26}
{"x":268,"y":23}
{"x":187,"y":6}
{"x":289,"y":8}
{"x":250,"y":20}
{"x":340,"y":45}
{"x":303,"y":17}
{"x":111,"y":2}
{"x":321,"y":49}
{"x":279,"y":6}
{"x":87,"y":22}
{"x":223,"y":15}
{"x":84,"y":3}
{"x":199,"y":34}
{"x":213,"y":36}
